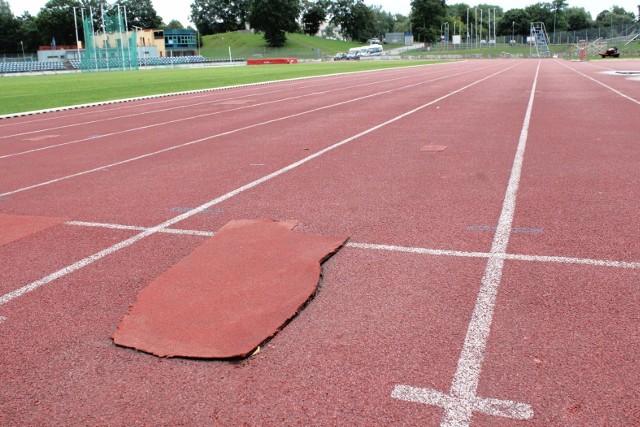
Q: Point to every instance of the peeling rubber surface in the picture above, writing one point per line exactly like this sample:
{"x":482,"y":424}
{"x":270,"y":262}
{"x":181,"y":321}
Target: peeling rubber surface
{"x":232,"y":293}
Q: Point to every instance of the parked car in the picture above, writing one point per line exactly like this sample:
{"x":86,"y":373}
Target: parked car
{"x":340,"y":56}
{"x":353,"y":56}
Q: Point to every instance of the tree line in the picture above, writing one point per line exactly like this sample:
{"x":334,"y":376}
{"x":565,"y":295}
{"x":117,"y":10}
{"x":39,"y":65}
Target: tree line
{"x":359,"y":22}
{"x":55,"y":21}
{"x":352,"y":19}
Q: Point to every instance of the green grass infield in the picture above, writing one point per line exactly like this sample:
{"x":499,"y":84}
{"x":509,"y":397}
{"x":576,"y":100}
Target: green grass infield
{"x":39,"y":92}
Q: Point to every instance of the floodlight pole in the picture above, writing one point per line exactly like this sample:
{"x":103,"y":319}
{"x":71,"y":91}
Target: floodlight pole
{"x":106,"y":38}
{"x":126,"y":31}
{"x":490,"y":36}
{"x":75,"y":23}
{"x":93,"y":36}
{"x":475,"y":22}
{"x":467,"y":28}
{"x":121,"y":39}
{"x":494,"y":26}
{"x":481,"y":25}
{"x":138,"y":50}
{"x":555,"y":11}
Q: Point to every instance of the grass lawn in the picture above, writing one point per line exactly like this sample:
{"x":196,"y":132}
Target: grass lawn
{"x":30,"y":93}
{"x":247,"y":45}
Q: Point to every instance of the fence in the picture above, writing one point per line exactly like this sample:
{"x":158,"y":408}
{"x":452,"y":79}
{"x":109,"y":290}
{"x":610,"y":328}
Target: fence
{"x":111,"y":49}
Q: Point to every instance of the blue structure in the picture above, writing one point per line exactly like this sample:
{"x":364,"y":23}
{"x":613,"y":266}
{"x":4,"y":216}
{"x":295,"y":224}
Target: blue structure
{"x":180,"y":42}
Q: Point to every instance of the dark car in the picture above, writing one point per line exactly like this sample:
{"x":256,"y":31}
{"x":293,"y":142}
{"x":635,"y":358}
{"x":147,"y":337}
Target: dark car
{"x":340,"y":56}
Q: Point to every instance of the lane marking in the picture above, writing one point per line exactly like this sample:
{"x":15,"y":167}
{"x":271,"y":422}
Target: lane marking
{"x":169,"y":98}
{"x":39,"y":138}
{"x":513,"y":230}
{"x":182,"y":107}
{"x":191,"y":92}
{"x":167,"y":224}
{"x":205,"y":93}
{"x":136,"y":228}
{"x":400,"y":249}
{"x":506,"y":256}
{"x":462,"y":399}
{"x":495,"y":407}
{"x":163,"y":123}
{"x":601,"y":84}
{"x":252,"y":126}
{"x":180,"y":209}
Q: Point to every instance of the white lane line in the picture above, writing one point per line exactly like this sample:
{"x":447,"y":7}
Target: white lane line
{"x":153,"y":125}
{"x":155,"y":102}
{"x":495,"y":407}
{"x":399,"y":249}
{"x":136,"y":228}
{"x":421,"y":251}
{"x":616,"y":91}
{"x":167,"y":224}
{"x":190,"y":92}
{"x":182,"y":107}
{"x":255,"y":125}
{"x":171,"y":122}
{"x":505,"y":256}
{"x":463,"y":394}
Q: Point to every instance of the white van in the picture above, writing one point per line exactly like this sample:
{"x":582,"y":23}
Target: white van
{"x":372,"y":50}
{"x":375,"y":50}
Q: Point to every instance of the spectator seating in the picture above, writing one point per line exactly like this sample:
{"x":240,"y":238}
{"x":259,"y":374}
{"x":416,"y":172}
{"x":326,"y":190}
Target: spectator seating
{"x":31,"y":66}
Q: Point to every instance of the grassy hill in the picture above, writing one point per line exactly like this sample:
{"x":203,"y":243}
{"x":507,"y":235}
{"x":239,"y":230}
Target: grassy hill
{"x":247,"y":45}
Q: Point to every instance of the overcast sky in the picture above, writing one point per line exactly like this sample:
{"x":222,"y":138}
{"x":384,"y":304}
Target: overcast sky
{"x":180,"y":9}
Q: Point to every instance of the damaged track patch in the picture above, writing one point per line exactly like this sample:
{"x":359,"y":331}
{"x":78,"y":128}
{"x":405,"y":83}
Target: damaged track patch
{"x":232,"y":293}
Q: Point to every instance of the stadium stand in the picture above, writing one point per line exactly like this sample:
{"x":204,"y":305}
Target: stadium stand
{"x":26,"y":67}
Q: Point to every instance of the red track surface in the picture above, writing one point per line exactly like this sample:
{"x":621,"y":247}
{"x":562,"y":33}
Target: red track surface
{"x":492,"y":283}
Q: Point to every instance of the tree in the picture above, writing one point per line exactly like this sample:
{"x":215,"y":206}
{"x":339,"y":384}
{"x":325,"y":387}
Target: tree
{"x":615,"y":16}
{"x":360,"y":26}
{"x":274,"y":18}
{"x":514,"y":22}
{"x":312,"y":18}
{"x":402,"y":24}
{"x":141,"y":14}
{"x":28,"y":33}
{"x":383,"y":22}
{"x":559,"y":16}
{"x":219,"y":16}
{"x":339,"y":10}
{"x":426,"y":18}
{"x":356,"y":19}
{"x":55,"y":21}
{"x":9,"y":27}
{"x":578,"y":19}
{"x":459,"y":10}
{"x":174,"y":25}
{"x":541,"y":12}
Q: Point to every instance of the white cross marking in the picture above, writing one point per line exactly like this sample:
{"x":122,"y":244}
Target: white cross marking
{"x":462,"y":401}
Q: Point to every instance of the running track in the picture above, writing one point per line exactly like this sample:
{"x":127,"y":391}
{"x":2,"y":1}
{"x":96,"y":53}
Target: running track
{"x":492,"y":283}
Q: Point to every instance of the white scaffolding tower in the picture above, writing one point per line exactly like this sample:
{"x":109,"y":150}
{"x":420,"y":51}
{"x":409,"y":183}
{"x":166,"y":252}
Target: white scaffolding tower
{"x":538,"y":40}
